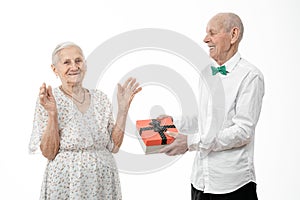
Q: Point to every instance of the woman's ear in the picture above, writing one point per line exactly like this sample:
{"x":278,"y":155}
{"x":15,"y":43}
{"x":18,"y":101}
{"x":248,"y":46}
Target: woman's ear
{"x":85,"y":65}
{"x":235,"y":33}
{"x":54,"y":70}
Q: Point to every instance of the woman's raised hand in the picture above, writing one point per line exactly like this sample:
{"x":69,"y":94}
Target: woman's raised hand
{"x":126,"y":93}
{"x":47,"y":99}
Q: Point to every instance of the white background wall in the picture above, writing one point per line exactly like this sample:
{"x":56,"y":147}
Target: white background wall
{"x":31,"y":29}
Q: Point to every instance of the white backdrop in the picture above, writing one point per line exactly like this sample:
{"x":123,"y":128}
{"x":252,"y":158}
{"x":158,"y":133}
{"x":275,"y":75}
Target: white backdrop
{"x":31,"y":29}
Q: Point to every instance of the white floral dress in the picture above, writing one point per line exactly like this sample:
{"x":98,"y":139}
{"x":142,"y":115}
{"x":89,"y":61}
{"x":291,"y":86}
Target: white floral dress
{"x":84,"y":168}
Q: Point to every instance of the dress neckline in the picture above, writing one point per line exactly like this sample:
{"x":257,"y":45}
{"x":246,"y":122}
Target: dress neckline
{"x":74,"y":105}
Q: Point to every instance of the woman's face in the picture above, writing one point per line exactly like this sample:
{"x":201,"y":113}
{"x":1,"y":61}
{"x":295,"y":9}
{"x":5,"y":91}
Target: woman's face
{"x":70,"y":66}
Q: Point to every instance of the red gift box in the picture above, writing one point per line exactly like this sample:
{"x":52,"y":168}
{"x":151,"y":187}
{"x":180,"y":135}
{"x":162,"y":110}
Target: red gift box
{"x":151,"y":133}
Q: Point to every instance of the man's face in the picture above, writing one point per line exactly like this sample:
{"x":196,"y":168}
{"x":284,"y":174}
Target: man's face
{"x":217,"y":39}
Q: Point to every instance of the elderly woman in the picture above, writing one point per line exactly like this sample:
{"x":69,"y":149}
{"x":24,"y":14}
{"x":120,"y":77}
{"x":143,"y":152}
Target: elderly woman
{"x":75,"y":130}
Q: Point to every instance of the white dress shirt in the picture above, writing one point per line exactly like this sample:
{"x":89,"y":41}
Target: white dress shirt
{"x":224,"y":159}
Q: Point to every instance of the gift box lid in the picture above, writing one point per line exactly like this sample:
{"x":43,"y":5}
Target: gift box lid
{"x":152,"y":131}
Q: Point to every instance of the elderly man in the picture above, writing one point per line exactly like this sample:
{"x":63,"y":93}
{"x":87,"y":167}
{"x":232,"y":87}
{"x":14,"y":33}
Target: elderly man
{"x":224,"y":169}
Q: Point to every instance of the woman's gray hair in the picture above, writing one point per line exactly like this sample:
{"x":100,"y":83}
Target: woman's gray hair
{"x":62,"y":46}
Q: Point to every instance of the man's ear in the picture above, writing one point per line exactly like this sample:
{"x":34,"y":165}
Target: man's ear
{"x":235,"y":33}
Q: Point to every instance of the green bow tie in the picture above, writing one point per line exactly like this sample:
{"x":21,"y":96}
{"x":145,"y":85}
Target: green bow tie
{"x":221,"y":69}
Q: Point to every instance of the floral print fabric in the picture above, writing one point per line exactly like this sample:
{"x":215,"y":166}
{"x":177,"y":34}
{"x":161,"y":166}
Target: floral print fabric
{"x":84,"y":168}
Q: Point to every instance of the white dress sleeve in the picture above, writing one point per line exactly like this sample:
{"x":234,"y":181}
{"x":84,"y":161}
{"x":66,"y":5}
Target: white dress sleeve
{"x":39,"y":125}
{"x":110,"y":125}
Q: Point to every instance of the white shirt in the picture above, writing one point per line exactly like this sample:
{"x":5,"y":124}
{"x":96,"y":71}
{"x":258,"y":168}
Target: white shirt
{"x":224,"y":160}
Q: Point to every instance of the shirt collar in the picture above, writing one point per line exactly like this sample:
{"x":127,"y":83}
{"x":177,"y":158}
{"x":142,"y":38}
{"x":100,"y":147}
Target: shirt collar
{"x":231,"y":63}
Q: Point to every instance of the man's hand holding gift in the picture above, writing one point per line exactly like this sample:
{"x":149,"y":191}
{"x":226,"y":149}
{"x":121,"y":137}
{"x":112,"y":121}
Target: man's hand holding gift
{"x":179,"y":146}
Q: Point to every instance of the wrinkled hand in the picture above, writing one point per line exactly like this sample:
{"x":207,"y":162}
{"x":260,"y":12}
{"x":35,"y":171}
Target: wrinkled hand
{"x":179,"y":146}
{"x":163,"y":116}
{"x":47,"y":99}
{"x":126,"y":93}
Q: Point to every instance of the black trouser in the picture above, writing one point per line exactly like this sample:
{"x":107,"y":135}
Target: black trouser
{"x":247,"y":192}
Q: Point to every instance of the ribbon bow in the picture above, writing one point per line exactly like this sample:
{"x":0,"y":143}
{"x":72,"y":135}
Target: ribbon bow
{"x":221,"y":69}
{"x":156,"y":126}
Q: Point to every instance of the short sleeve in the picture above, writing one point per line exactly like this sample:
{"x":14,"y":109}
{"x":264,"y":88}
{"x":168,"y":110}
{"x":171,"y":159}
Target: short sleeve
{"x":39,"y":125}
{"x":110,"y":126}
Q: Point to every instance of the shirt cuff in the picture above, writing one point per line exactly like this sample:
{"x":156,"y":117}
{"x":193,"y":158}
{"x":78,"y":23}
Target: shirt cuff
{"x":193,"y":141}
